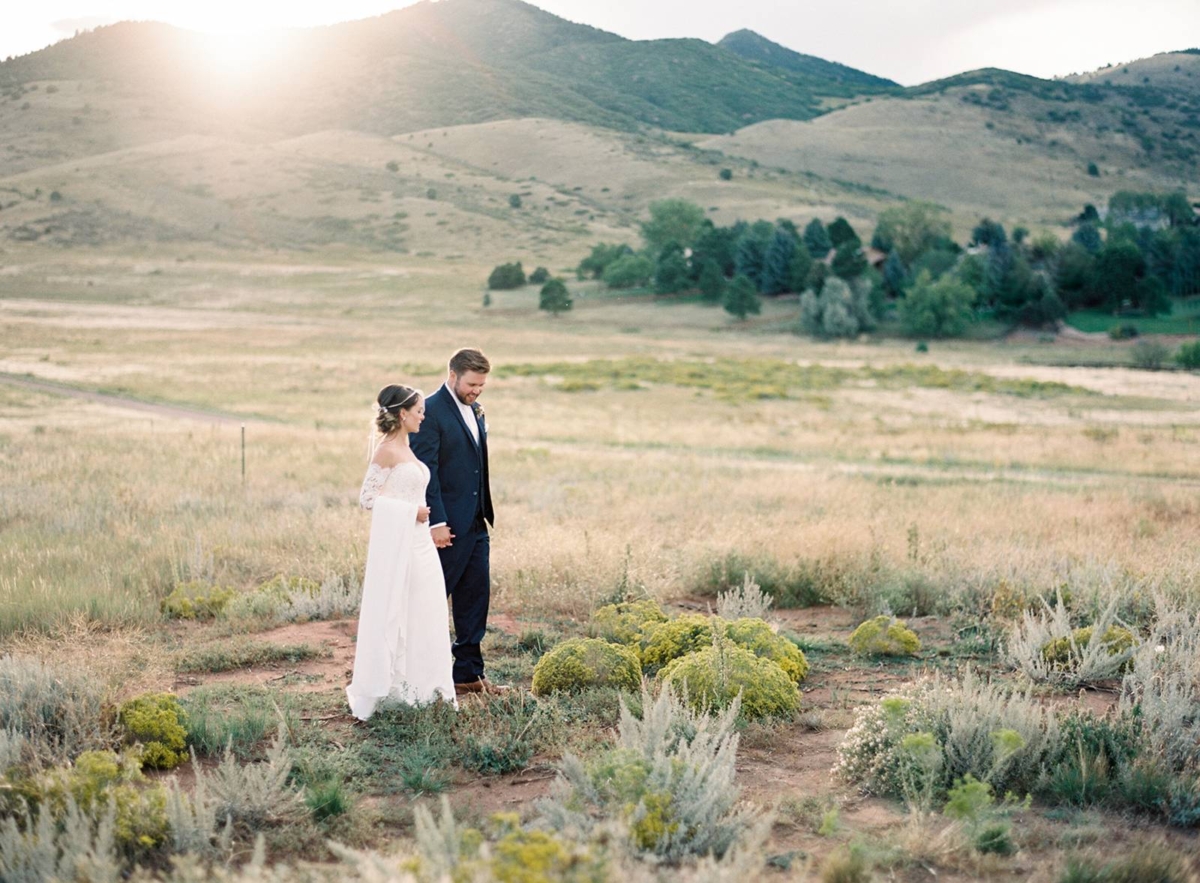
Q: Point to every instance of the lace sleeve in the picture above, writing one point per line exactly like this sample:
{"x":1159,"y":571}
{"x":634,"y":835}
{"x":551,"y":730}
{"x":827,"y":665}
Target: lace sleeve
{"x":372,"y":485}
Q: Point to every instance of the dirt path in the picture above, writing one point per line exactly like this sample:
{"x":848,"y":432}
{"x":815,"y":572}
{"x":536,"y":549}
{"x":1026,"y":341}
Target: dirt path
{"x":178,"y":412}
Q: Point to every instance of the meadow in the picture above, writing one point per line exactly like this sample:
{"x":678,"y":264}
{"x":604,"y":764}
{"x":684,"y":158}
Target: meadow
{"x":640,"y":449}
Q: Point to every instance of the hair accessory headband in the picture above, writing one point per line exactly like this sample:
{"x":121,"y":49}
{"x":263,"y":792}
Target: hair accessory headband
{"x":383,"y":409}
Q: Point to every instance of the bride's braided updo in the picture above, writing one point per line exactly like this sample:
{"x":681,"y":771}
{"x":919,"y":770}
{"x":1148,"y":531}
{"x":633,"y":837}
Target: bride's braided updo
{"x":391,"y":400}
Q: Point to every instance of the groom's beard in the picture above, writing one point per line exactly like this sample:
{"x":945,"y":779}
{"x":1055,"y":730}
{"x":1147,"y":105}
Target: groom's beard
{"x":467,"y":399}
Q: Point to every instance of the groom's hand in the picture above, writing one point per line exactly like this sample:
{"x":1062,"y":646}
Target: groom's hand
{"x":442,"y":536}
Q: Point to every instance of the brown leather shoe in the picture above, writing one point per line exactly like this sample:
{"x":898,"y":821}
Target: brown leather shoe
{"x":483,"y":685}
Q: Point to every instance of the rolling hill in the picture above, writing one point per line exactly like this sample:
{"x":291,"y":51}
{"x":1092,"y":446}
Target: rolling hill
{"x":490,"y":128}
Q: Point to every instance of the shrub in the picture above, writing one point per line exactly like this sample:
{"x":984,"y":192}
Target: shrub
{"x":741,"y":298}
{"x":100,"y":783}
{"x":554,"y":297}
{"x":941,"y":308}
{"x":506,"y":276}
{"x":58,"y":710}
{"x":37,"y":848}
{"x":675,"y":638}
{"x":1047,"y":649}
{"x":195,"y":600}
{"x":714,"y":678}
{"x":1189,"y":355}
{"x":156,"y":720}
{"x":999,"y":735}
{"x":1062,"y":652}
{"x":626,"y":622}
{"x":1146,"y":863}
{"x":747,"y":600}
{"x":295,"y":599}
{"x":670,"y":780}
{"x":254,"y":794}
{"x":840,"y":309}
{"x":628,"y":271}
{"x":884,"y":636}
{"x":539,"y":276}
{"x":1123,"y":331}
{"x":1149,"y":355}
{"x":586,"y":662}
{"x":760,"y":639}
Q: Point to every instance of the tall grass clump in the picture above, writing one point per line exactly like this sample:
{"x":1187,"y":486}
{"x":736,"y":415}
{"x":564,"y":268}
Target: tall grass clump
{"x":58,"y":711}
{"x":667,"y":785}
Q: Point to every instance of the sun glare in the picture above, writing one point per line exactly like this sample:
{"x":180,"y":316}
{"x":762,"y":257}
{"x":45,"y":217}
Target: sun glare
{"x":236,"y":55}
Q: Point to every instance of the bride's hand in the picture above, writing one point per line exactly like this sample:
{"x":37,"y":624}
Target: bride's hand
{"x":422,"y":515}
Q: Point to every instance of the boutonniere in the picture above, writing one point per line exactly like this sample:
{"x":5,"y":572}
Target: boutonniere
{"x":479,"y":415}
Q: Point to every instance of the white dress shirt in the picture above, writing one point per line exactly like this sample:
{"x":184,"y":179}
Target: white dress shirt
{"x":468,"y":414}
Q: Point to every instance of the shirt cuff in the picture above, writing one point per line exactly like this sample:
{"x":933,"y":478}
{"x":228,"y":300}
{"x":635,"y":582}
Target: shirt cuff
{"x":439,"y":524}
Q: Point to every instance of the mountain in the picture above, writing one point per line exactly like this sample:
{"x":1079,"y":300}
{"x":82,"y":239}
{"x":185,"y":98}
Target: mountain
{"x":438,"y":64}
{"x":758,"y":49}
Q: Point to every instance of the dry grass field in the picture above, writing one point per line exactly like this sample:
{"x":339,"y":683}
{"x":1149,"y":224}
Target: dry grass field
{"x":641,"y":448}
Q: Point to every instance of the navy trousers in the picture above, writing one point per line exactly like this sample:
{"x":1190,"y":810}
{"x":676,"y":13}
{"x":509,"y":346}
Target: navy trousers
{"x":469,"y":586}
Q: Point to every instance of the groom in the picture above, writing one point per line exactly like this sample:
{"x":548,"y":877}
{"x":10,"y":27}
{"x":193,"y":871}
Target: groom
{"x":453,"y":444}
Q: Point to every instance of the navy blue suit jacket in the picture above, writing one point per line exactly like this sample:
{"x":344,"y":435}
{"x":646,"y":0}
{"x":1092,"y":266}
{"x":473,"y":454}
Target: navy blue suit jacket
{"x":458,"y":468}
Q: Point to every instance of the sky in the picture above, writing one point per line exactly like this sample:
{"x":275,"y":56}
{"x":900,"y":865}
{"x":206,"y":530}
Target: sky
{"x":910,"y":42}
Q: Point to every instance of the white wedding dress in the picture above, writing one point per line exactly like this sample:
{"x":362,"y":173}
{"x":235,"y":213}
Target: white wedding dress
{"x":403,"y":649}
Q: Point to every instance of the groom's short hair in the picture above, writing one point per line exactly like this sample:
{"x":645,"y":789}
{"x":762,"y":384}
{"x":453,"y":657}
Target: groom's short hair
{"x":469,"y":359}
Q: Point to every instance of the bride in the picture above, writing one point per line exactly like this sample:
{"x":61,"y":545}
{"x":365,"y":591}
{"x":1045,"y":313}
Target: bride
{"x":403,"y":649}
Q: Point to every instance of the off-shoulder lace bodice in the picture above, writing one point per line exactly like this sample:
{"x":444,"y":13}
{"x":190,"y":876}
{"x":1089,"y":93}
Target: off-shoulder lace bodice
{"x":404,"y":481}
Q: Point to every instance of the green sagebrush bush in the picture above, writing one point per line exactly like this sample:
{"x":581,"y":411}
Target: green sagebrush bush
{"x":1046,"y":647}
{"x":884,"y":636}
{"x":296,"y":599}
{"x":99,"y":782}
{"x":36,"y":847}
{"x":1188,"y":356}
{"x":626,"y":622}
{"x":668,"y":784}
{"x":578,"y":663}
{"x":997,"y":734}
{"x":58,"y":711}
{"x":1114,"y":640}
{"x":158,"y":722}
{"x":713,"y":678}
{"x":195,"y":599}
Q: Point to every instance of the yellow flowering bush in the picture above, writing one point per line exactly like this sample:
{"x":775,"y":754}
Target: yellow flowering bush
{"x":884,"y":636}
{"x":627,"y":622}
{"x":586,"y":662}
{"x":156,"y":720}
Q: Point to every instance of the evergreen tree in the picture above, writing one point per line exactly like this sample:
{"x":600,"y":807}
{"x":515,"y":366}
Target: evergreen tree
{"x":1088,"y":235}
{"x":895,"y":275}
{"x":989,"y":233}
{"x":1119,"y":266}
{"x":777,"y":263}
{"x":712,"y":282}
{"x":718,"y":245}
{"x":801,"y":267}
{"x":817,"y":276}
{"x":816,"y":239}
{"x":849,"y":262}
{"x":741,"y":298}
{"x":555,"y":298}
{"x":840,"y":232}
{"x":752,"y":250}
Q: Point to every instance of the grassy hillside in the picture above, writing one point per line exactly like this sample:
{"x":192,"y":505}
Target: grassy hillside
{"x":432,"y":64}
{"x":992,"y":142}
{"x":758,"y":49}
{"x":1168,"y":70}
